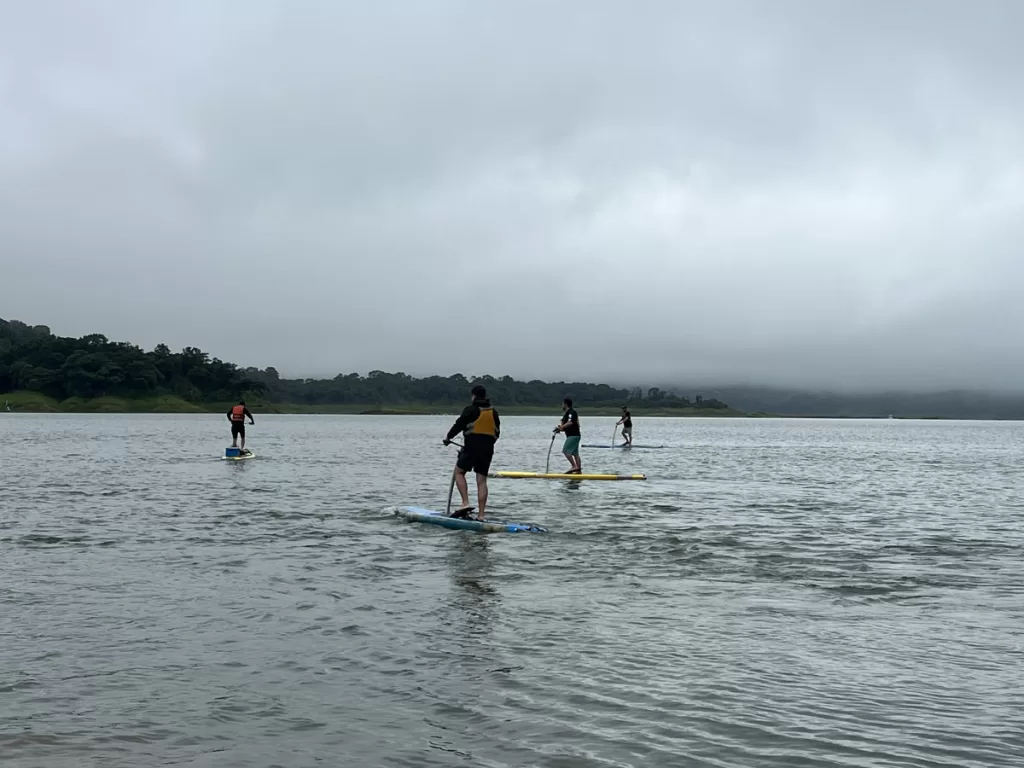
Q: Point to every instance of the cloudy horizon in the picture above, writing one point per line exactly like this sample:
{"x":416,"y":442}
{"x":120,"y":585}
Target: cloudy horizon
{"x":809,"y":194}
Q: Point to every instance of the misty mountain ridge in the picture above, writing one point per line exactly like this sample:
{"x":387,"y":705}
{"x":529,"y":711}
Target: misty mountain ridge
{"x":909,"y":404}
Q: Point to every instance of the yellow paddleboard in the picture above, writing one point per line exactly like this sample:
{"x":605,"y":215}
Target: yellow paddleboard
{"x":562,"y":476}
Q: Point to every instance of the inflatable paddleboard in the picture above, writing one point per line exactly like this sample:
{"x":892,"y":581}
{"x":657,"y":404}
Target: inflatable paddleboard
{"x":433,"y":517}
{"x":620,"y":445}
{"x":239,"y":457}
{"x":562,"y":476}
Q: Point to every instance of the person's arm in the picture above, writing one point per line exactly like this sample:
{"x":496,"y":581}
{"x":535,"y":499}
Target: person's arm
{"x":468,"y":416}
{"x":497,"y":424}
{"x":247,"y":413}
{"x":561,"y":424}
{"x":229,"y":414}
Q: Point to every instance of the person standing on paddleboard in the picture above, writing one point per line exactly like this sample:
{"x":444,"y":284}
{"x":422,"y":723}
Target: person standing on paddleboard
{"x":570,"y":426}
{"x":237,"y":415}
{"x":627,"y":426}
{"x":480,"y":427}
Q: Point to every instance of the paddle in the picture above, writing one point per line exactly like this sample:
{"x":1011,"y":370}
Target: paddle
{"x":451,"y":490}
{"x":451,"y":486}
{"x":547,"y":465}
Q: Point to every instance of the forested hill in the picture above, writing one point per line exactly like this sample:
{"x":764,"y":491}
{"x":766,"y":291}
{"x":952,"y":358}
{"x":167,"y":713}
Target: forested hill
{"x":33,"y":359}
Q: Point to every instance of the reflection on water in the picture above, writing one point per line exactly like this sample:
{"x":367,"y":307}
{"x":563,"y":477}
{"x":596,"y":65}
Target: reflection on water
{"x":475,"y":599}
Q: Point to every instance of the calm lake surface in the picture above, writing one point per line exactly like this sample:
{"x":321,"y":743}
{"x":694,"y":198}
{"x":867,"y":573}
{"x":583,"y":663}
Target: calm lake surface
{"x":778,"y":593}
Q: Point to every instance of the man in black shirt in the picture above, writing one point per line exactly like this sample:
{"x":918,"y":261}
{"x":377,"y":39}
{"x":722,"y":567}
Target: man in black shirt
{"x":627,"y":426}
{"x":570,"y":425}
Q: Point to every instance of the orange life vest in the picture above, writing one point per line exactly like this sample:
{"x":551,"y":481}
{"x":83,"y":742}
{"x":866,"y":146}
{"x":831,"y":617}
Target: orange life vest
{"x":484,"y":424}
{"x":238,"y":413}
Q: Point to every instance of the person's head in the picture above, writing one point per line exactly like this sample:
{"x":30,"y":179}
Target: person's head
{"x":241,"y":402}
{"x":478,"y":392}
{"x":567,"y":404}
{"x":623,"y":409}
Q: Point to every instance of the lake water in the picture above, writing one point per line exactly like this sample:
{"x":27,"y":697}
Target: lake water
{"x":778,"y":593}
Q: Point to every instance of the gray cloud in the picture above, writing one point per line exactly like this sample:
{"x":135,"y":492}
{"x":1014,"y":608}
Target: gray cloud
{"x":798,"y":192}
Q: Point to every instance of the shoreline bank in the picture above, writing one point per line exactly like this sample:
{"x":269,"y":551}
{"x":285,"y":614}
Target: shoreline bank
{"x":34,"y":402}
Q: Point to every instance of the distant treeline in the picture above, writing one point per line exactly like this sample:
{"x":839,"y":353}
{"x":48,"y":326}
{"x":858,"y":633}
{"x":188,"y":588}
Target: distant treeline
{"x":32,"y":358}
{"x":383,"y":388}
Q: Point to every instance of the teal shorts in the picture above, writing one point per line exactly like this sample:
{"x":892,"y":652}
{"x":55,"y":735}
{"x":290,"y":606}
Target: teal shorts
{"x":572,"y":446}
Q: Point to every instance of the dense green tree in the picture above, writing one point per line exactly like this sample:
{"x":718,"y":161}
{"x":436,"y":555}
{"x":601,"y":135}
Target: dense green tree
{"x":32,"y":358}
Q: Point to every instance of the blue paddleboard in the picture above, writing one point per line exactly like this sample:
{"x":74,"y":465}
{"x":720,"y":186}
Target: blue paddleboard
{"x":432,"y":517}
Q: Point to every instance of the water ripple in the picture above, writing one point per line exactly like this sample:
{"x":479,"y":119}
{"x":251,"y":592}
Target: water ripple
{"x":779,"y":593}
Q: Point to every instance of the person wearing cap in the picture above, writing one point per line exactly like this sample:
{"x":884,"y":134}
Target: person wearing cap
{"x":627,"y":426}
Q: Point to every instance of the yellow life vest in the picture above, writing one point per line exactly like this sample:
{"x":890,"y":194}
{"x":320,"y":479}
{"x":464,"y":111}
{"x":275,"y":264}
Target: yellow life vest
{"x":484,"y":424}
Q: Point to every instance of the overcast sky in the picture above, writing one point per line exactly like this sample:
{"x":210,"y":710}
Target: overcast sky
{"x":814,"y":192}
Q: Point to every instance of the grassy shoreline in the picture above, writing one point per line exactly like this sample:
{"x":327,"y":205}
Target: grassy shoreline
{"x":35,"y":402}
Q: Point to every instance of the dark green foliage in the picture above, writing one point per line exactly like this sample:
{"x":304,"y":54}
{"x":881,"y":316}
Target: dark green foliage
{"x":382,"y":388}
{"x":32,"y":358}
{"x":92,"y":366}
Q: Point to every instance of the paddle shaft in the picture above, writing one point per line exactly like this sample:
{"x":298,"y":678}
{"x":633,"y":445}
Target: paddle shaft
{"x":451,"y":486}
{"x":451,"y":490}
{"x":547,"y":464}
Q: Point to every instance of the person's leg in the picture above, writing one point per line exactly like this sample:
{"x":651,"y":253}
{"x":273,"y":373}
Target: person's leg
{"x":234,"y":435}
{"x":463,"y":464}
{"x":241,"y":434}
{"x":481,"y":495}
{"x":460,"y":483}
{"x":482,"y":465}
{"x":572,"y":452}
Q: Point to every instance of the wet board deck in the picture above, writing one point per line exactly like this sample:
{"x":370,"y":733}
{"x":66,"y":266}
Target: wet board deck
{"x":239,"y":458}
{"x":562,"y":476}
{"x":433,"y":517}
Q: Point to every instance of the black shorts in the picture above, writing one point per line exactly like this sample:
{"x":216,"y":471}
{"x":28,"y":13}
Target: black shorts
{"x":476,"y":456}
{"x":237,"y":429}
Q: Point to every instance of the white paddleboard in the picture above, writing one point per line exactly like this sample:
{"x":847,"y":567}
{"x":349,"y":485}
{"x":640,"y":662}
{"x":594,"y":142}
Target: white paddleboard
{"x":239,"y":458}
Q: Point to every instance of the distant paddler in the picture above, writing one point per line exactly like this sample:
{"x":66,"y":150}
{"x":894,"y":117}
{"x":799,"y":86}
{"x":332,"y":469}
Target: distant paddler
{"x":480,"y":427}
{"x":570,"y":427}
{"x":237,"y":415}
{"x":627,"y":426}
